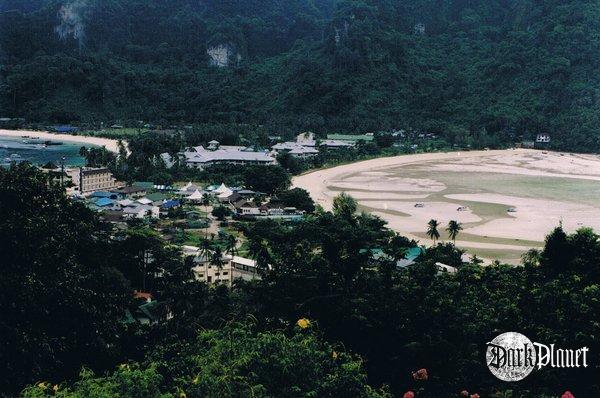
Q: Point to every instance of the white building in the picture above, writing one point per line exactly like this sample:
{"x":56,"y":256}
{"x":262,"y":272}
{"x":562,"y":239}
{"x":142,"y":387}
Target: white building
{"x":141,"y":211}
{"x":295,"y":149}
{"x":233,"y":268}
{"x":199,"y":157}
{"x":91,"y":179}
{"x":336,"y":144}
{"x":542,"y":138}
{"x":306,"y":146}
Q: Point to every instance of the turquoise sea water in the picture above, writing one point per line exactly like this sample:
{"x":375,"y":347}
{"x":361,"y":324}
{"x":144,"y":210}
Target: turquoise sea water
{"x":32,"y":150}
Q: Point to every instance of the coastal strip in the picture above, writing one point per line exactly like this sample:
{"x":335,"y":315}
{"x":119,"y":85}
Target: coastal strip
{"x":109,"y":144}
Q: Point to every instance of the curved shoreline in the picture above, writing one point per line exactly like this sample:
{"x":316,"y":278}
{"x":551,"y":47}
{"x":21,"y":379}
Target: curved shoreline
{"x":566,"y":195}
{"x":111,"y":145}
{"x":316,"y":182}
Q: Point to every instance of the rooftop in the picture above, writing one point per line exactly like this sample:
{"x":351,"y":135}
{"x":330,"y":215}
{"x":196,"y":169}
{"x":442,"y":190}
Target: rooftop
{"x":201,"y":155}
{"x":350,"y":137}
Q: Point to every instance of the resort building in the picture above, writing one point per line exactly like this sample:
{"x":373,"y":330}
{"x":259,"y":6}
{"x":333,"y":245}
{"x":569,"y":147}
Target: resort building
{"x":88,"y":179}
{"x":199,"y":157}
{"x":336,"y":144}
{"x":306,"y":146}
{"x":233,"y":268}
{"x":295,"y":149}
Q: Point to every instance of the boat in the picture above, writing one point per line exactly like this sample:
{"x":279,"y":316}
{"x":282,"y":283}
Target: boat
{"x":52,"y":143}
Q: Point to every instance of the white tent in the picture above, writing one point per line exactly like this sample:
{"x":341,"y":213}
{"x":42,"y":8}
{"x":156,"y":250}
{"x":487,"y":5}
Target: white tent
{"x":196,"y":196}
{"x":188,"y":188}
{"x":223,"y":188}
{"x":225,"y":194}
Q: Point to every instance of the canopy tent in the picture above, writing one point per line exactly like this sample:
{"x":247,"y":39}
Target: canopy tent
{"x":196,"y":196}
{"x":223,"y":188}
{"x":188,"y":188}
{"x":225,"y":194}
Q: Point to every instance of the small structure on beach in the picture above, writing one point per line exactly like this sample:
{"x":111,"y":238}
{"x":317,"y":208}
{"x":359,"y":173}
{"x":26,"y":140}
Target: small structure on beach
{"x":542,"y":140}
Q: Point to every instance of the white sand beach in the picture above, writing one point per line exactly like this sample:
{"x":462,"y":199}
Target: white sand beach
{"x":111,"y":145}
{"x":507,"y":200}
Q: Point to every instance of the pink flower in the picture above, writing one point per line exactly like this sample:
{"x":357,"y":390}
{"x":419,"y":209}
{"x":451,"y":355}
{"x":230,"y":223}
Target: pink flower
{"x":475,"y":395}
{"x":409,"y":394}
{"x":420,"y":374}
{"x":567,"y":394}
{"x":464,"y":394}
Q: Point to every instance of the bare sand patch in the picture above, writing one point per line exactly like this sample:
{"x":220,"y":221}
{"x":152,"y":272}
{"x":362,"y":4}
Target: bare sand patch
{"x":419,"y":216}
{"x":369,"y":196}
{"x":532,"y":218}
{"x":544,"y":188}
{"x":396,"y":184}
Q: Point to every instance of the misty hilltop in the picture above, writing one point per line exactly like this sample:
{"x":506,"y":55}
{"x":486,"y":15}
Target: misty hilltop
{"x":506,"y":69}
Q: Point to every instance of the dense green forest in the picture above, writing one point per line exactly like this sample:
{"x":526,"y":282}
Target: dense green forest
{"x":459,"y":68}
{"x":329,"y":318}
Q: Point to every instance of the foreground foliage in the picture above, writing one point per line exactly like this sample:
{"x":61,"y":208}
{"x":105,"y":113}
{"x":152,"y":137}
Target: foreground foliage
{"x":236,"y":361}
{"x":330,"y":284}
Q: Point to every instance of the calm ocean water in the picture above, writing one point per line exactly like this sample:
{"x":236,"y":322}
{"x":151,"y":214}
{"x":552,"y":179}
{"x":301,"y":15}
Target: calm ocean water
{"x":34,"y":151}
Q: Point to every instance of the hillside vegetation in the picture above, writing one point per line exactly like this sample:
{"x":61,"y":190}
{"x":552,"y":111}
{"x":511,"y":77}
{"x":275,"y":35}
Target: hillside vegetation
{"x":504,"y":68}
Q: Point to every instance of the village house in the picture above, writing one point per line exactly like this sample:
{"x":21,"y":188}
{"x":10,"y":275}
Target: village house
{"x":246,"y":209}
{"x":542,"y":138}
{"x":112,"y":216}
{"x":141,"y":211}
{"x":131,"y":192}
{"x":150,"y":312}
{"x":542,"y":141}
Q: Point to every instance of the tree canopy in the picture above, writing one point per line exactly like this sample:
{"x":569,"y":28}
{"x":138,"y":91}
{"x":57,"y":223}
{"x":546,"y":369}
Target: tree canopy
{"x":482,"y":71}
{"x":61,"y":294}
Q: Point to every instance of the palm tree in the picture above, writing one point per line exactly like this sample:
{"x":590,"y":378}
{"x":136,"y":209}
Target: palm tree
{"x":231,"y":244}
{"x":432,"y":230}
{"x":259,"y":252}
{"x":454,"y":227}
{"x":397,"y":247}
{"x":206,"y":202}
{"x":217,"y":258}
{"x":205,"y":249}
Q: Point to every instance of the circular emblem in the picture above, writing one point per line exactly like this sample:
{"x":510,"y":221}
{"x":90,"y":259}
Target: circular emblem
{"x":511,"y":356}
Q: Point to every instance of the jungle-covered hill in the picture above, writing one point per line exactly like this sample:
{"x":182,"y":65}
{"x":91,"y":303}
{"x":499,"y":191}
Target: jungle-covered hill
{"x":506,"y":68}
